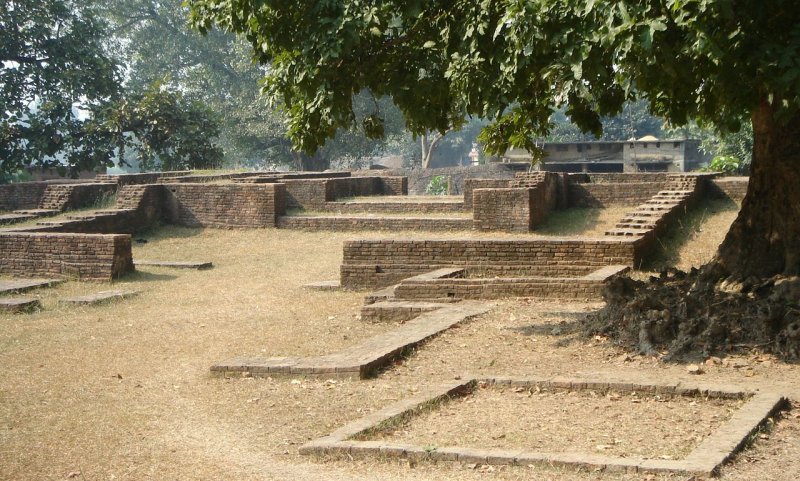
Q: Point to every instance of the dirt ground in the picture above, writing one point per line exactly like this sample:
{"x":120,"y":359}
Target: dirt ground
{"x":123,"y":391}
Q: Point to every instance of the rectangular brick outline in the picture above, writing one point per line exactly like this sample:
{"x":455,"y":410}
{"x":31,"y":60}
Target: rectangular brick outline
{"x":705,"y":459}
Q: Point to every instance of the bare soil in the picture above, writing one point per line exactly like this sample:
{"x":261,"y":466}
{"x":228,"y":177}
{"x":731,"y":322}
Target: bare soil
{"x":632,"y":425}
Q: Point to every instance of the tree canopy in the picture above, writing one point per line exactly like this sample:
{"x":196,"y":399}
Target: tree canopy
{"x":515,"y":61}
{"x":52,"y":64}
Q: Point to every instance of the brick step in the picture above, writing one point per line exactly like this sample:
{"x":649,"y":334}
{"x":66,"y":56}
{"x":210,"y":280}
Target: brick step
{"x":37,"y":212}
{"x":354,"y":207}
{"x":635,"y":225}
{"x":626,"y":232}
{"x":344,"y":223}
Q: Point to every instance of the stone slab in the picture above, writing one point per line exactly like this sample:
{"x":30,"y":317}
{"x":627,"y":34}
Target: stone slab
{"x":176,"y":264}
{"x":98,"y":297}
{"x":362,"y":360}
{"x":324,"y":286}
{"x":22,"y":285}
{"x":6,"y":219}
{"x":16,"y":305}
{"x":704,"y":460}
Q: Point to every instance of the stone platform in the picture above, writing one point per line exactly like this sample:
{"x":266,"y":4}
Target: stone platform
{"x":22,"y":285}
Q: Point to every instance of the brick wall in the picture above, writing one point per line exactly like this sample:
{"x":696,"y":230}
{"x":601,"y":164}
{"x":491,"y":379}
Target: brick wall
{"x":394,"y":185}
{"x":517,"y":209}
{"x":305,"y":194}
{"x":312,"y":194}
{"x":83,"y":256}
{"x":606,"y":194}
{"x":509,"y":210}
{"x":553,"y":288}
{"x":225,"y":205}
{"x":141,"y":178}
{"x":383,"y":262}
{"x":352,"y":187}
{"x":733,"y":188}
{"x":444,"y":207}
{"x":341,"y":224}
{"x":23,"y":195}
{"x":618,"y":177}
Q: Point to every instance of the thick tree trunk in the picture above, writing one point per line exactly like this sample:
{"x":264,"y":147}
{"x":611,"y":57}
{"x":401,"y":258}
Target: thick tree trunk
{"x":764,"y":240}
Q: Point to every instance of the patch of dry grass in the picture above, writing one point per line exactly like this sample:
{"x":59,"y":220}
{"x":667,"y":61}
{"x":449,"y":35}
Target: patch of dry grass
{"x":693,"y":240}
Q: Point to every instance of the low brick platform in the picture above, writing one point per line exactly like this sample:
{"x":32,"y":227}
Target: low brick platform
{"x":403,"y":206}
{"x":80,"y":256}
{"x":704,"y":460}
{"x":351,"y":223}
{"x":22,"y":285}
{"x":363,"y":360}
{"x":98,"y":297}
{"x":379,"y":263}
{"x":199,"y":265}
{"x":433,"y":287}
{"x":16,"y":305}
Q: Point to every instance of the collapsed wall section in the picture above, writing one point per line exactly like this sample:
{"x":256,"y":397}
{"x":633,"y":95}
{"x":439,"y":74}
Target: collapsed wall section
{"x":371,"y":263}
{"x":83,"y":256}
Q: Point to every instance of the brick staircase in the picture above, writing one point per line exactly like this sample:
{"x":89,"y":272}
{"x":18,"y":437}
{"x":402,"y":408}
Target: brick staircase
{"x":680,"y":190}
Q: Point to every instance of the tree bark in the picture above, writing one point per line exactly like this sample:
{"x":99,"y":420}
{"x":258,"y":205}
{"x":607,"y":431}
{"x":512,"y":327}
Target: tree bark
{"x":764,"y":240}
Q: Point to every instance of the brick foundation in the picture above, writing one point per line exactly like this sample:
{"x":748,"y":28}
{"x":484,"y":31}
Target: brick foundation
{"x":83,"y":256}
{"x":24,"y":195}
{"x":225,"y":205}
{"x":376,"y":263}
{"x":608,"y":194}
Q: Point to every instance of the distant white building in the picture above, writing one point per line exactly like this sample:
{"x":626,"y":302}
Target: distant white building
{"x":647,"y":154}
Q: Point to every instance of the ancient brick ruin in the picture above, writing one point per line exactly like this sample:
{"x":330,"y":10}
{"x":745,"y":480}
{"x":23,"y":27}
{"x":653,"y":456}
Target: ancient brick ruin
{"x":340,"y":201}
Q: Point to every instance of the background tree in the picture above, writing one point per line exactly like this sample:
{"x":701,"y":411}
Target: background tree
{"x":633,"y":121}
{"x":162,"y":129}
{"x":52,"y":67}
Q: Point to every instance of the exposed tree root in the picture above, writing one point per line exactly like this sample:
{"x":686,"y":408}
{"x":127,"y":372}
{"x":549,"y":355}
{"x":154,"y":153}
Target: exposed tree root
{"x":680,"y":313}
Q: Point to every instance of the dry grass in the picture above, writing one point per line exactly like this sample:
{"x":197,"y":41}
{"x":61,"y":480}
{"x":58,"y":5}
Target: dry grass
{"x":122,"y":391}
{"x":693,"y":241}
{"x":631,"y":425}
{"x":582,"y":222}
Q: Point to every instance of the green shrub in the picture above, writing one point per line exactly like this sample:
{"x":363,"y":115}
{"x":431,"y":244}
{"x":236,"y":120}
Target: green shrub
{"x":437,"y":185}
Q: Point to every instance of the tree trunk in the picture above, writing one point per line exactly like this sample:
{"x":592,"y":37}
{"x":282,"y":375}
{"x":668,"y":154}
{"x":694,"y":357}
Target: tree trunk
{"x":764,"y":240}
{"x":315,"y":163}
